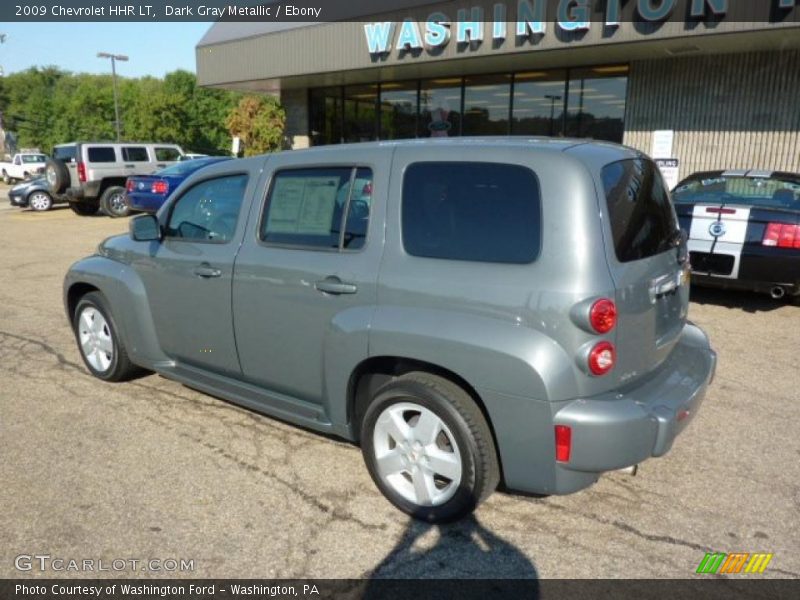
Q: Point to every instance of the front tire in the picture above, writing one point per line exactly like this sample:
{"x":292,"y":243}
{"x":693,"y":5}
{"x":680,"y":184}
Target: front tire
{"x":6,"y":178}
{"x":40,"y":201}
{"x":429,"y":448}
{"x":113,"y":202}
{"x":98,"y":339}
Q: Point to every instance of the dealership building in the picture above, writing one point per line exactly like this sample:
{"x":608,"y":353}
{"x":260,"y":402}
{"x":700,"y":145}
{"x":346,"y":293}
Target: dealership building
{"x":714,"y":84}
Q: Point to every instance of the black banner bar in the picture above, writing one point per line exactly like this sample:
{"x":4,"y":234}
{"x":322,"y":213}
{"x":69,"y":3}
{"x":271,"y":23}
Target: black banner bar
{"x":700,"y":588}
{"x":599,"y":12}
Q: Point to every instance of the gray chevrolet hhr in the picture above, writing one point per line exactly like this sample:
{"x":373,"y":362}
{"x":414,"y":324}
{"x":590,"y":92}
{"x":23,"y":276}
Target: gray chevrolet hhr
{"x":469,"y":310}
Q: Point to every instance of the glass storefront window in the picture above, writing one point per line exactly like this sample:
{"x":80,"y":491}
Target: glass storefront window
{"x":597,"y":103}
{"x":486,"y":105}
{"x":440,"y":107}
{"x":360,"y":113}
{"x":398,"y":110}
{"x":326,"y":115}
{"x":539,"y":98}
{"x":583,"y":103}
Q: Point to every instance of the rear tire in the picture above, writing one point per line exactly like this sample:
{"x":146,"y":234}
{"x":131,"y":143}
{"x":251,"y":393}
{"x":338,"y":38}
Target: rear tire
{"x":40,"y":201}
{"x":84,"y":209}
{"x":429,"y":448}
{"x":113,"y":202}
{"x":99,"y":342}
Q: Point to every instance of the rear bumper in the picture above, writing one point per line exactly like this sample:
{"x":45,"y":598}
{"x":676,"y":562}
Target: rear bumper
{"x":624,"y":428}
{"x":144,"y":202}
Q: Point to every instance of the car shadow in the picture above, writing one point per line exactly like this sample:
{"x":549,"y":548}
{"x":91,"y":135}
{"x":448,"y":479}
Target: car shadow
{"x":452,"y":553}
{"x":747,"y":301}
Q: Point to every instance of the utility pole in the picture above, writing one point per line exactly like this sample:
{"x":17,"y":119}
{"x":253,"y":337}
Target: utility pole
{"x":114,"y":58}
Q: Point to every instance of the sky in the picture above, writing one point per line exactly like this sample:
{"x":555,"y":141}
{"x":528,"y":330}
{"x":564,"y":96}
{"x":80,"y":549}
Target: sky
{"x":153,"y":48}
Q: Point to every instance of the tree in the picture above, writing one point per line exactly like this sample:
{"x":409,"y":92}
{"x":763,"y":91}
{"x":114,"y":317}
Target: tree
{"x":258,"y":121}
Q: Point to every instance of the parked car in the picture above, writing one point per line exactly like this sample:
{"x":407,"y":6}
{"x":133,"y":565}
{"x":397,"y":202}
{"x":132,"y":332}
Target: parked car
{"x":148,"y":192}
{"x":744,"y":230}
{"x":92,"y":174}
{"x":464,"y":308}
{"x":34,"y":193}
{"x":23,"y":165}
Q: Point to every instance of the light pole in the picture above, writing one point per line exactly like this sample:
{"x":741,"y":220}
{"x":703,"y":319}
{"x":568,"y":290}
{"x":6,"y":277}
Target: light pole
{"x":114,"y":58}
{"x":553,"y":99}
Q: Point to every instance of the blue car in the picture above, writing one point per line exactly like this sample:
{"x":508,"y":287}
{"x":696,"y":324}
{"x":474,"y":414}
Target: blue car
{"x":147,"y":193}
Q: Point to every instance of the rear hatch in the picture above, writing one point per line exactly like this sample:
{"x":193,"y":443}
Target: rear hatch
{"x":732,"y":214}
{"x":648,"y":265}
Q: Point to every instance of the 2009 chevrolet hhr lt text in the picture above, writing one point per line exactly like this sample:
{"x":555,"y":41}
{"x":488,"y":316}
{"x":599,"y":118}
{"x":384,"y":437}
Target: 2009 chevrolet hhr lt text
{"x":469,"y":310}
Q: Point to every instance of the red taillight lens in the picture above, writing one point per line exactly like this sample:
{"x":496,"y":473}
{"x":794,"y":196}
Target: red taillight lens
{"x":563,"y":443}
{"x":129,"y":185}
{"x":782,"y":235}
{"x":159,"y":187}
{"x":603,"y":315}
{"x":82,"y":172}
{"x":602,"y":358}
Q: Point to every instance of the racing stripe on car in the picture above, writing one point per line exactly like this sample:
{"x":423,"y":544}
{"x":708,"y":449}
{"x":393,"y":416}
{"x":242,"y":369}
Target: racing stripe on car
{"x":719,"y":230}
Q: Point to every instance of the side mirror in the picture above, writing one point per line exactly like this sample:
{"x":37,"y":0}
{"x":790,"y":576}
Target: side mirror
{"x":145,"y":228}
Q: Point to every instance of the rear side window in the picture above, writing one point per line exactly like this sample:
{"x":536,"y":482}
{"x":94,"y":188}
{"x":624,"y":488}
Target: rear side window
{"x":101,"y":154}
{"x":324,"y":208}
{"x":167,"y":154}
{"x":135,"y":154}
{"x":487,"y":212}
{"x":643,"y":221}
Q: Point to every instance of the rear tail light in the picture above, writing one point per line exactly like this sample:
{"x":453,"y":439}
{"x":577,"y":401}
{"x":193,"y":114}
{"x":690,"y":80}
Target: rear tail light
{"x":602,"y":358}
{"x":782,"y":235}
{"x":563,"y":443}
{"x":82,"y":172}
{"x":160,"y":187}
{"x":603,"y":315}
{"x":129,"y":185}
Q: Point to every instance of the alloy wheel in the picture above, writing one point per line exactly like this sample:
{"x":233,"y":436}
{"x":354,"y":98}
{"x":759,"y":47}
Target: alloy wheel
{"x":95,"y":339}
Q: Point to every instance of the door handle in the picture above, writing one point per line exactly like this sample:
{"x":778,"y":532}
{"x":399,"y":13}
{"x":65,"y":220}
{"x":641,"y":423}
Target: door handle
{"x":129,"y":166}
{"x":206,"y":270}
{"x":334,"y":285}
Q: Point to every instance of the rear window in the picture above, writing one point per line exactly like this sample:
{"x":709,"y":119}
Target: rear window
{"x":64,"y":153}
{"x":643,"y":221}
{"x":167,"y":154}
{"x":135,"y":154}
{"x":101,"y":154}
{"x":769,"y":192}
{"x":33,"y":158}
{"x":485,"y":212}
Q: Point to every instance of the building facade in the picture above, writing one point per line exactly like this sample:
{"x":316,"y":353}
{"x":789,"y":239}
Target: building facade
{"x":712,"y":84}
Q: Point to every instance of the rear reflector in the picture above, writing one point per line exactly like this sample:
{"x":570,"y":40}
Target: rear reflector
{"x":159,"y":187}
{"x":602,"y":358}
{"x":129,"y":185}
{"x":603,"y":315}
{"x":782,"y":235}
{"x":563,"y":443}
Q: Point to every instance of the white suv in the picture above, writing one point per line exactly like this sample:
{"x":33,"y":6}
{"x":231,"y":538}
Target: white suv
{"x":92,"y":174}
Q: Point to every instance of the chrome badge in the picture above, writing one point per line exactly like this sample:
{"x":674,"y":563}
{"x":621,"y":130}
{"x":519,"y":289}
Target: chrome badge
{"x":717,"y":229}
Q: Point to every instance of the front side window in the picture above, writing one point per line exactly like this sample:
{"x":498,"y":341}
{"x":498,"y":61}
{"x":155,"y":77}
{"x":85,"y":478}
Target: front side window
{"x":209,"y":211}
{"x":487,"y":212}
{"x":643,"y":221}
{"x":167,"y":154}
{"x":102,"y":154}
{"x":322,"y":208}
{"x":135,"y":154}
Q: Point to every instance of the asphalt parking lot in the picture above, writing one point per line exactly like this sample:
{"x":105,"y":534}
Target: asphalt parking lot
{"x":153,"y":470}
